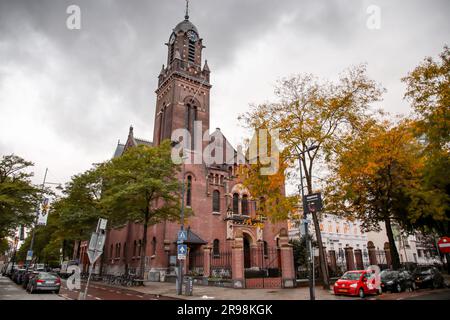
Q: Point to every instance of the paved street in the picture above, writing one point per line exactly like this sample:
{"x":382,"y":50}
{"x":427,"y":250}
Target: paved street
{"x":166,"y":291}
{"x":11,"y":291}
{"x":99,"y":291}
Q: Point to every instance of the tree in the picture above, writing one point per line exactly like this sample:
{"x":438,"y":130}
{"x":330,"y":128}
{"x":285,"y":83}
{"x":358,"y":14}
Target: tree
{"x":428,"y":91}
{"x":376,"y":178}
{"x":18,"y":196}
{"x":264,"y":177}
{"x":79,"y":209}
{"x":141,"y":186}
{"x":317,"y":113}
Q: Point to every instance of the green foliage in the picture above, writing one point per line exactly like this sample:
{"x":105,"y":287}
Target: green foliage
{"x":18,"y":196}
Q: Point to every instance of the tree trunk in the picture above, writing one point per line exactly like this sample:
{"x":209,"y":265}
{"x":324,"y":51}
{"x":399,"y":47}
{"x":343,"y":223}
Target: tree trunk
{"x":143,"y":251}
{"x":322,"y":260}
{"x":392,"y":247}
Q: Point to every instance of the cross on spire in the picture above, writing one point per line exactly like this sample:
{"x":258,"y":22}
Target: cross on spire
{"x":187,"y":10}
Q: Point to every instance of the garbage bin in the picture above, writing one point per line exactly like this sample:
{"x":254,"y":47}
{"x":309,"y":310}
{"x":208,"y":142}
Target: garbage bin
{"x":188,"y":286}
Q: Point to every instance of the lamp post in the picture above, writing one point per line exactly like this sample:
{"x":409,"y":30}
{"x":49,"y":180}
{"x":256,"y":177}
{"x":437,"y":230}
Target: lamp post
{"x":308,"y":239}
{"x":36,"y":219}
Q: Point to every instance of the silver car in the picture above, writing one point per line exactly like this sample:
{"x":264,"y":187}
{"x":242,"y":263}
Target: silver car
{"x":44,"y":281}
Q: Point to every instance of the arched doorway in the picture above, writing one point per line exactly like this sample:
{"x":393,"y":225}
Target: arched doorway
{"x":247,"y":253}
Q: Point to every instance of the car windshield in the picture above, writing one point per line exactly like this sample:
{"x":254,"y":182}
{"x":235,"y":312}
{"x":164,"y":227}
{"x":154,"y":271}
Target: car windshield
{"x":388,"y":274}
{"x":351,"y":276}
{"x":424,"y":271}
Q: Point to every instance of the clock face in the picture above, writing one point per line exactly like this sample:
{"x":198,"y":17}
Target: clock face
{"x":192,"y":35}
{"x":172,"y":39}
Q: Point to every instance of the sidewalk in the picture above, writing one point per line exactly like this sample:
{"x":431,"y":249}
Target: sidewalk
{"x":218,"y":293}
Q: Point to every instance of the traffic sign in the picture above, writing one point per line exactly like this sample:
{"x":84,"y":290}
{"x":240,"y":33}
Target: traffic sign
{"x":182,"y":235}
{"x":313,"y":203}
{"x":182,"y":251}
{"x":444,"y":244}
{"x":29,"y":255}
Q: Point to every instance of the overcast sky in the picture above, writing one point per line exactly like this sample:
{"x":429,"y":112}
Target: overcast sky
{"x":67,"y":96}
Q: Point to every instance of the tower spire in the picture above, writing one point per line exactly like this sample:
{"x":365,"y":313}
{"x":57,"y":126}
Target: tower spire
{"x":187,"y":10}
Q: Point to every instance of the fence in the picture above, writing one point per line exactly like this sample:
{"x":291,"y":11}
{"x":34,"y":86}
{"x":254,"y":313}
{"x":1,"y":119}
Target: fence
{"x":221,"y":264}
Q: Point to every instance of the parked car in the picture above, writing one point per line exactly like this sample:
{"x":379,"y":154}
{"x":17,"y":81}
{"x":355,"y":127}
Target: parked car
{"x":18,"y":276}
{"x":27,"y":277}
{"x":428,"y":277}
{"x":397,"y":281}
{"x":356,"y":283}
{"x":44,"y":281}
{"x":16,"y":273}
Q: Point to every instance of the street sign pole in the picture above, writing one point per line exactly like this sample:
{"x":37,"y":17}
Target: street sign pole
{"x":95,"y":250}
{"x":181,"y":262}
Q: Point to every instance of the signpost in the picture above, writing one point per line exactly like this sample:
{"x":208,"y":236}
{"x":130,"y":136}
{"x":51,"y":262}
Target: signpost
{"x":182,"y":251}
{"x":444,"y":245}
{"x":95,"y":250}
{"x":313,"y":202}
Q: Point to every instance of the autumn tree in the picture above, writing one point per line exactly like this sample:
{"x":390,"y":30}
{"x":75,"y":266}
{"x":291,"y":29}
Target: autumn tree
{"x":141,"y":186}
{"x":428,"y":91}
{"x":376,"y":177}
{"x":320,"y":113}
{"x":264,"y":176}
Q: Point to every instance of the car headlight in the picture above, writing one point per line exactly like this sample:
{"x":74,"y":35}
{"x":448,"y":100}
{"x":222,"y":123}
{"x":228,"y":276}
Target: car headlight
{"x":354,"y":285}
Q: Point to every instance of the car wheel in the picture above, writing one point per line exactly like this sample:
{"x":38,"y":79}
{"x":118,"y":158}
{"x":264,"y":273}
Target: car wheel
{"x":435,"y":285}
{"x":398,"y":288}
{"x":361,"y":293}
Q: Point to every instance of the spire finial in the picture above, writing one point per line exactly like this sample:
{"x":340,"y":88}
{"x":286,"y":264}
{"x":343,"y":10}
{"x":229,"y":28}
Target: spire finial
{"x":187,"y":10}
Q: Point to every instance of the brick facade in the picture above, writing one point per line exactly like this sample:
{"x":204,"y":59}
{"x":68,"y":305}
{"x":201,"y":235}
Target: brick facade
{"x":182,"y":96}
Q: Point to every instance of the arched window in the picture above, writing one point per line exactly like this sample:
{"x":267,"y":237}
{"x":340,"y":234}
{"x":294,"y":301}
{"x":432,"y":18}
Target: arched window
{"x":189,"y":191}
{"x":111,"y":252}
{"x":245,"y":205}
{"x":161,"y":123}
{"x":153,"y":246}
{"x":134,"y":248}
{"x":216,"y":251}
{"x":139,"y":248}
{"x":266,"y":249}
{"x":190,"y":118}
{"x":236,"y":203}
{"x":216,"y":201}
{"x":118,"y":251}
{"x":125,"y":250}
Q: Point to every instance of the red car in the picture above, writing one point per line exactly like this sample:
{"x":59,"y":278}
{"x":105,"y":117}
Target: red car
{"x":357,"y":283}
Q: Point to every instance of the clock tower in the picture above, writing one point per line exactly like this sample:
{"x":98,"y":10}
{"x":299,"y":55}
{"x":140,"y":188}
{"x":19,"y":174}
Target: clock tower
{"x":183,"y":85}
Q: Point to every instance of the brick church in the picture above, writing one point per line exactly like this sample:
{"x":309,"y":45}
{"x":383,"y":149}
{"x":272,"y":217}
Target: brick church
{"x":225,"y":235}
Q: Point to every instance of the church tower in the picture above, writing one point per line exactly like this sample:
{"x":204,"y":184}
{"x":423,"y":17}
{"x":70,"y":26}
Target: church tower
{"x":183,"y":85}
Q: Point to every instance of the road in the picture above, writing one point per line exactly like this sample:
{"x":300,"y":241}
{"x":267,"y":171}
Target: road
{"x":11,"y":291}
{"x":99,"y":291}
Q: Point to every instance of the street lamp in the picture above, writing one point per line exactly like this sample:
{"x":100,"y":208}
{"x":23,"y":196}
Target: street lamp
{"x":36,"y":219}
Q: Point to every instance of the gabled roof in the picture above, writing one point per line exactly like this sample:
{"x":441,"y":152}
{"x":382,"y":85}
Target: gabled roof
{"x":131,"y":142}
{"x":193,"y":238}
{"x":119,"y":150}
